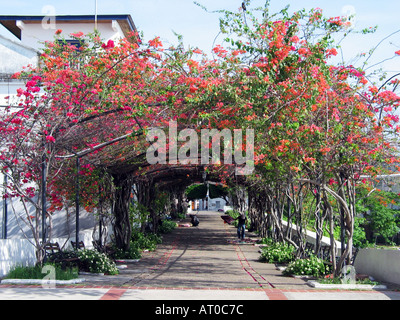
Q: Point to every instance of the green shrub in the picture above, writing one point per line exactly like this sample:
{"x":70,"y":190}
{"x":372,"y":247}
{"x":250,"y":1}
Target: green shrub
{"x":235,"y":214}
{"x":37,"y":272}
{"x":311,"y":266}
{"x":167,"y":226}
{"x":154,"y":237}
{"x":268,"y":241}
{"x":96,"y":262}
{"x":147,"y":241}
{"x":134,"y":252}
{"x":65,"y":259}
{"x":278,"y":253}
{"x":181,"y":216}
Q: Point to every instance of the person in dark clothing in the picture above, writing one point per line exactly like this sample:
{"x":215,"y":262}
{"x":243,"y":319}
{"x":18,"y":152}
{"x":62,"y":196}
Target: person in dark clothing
{"x":241,"y":226}
{"x":195,"y":220}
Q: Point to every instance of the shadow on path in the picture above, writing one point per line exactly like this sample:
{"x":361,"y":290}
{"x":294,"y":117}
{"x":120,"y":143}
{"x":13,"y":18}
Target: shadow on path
{"x":206,"y":256}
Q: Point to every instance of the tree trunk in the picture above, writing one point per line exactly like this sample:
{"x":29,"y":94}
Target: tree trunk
{"x":331,"y":231}
{"x":122,"y":196}
{"x":348,"y":207}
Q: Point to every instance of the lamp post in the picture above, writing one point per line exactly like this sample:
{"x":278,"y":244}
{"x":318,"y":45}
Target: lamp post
{"x":95,"y":16}
{"x":207,"y":196}
{"x":208,"y":199}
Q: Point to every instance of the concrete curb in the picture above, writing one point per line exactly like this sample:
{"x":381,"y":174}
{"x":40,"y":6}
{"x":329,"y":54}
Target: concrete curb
{"x":316,"y":284}
{"x":42,"y":281}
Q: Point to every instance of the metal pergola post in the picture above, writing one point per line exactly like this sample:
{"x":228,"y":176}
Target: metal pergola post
{"x":5,"y":211}
{"x":77,"y":204}
{"x":44,"y":198}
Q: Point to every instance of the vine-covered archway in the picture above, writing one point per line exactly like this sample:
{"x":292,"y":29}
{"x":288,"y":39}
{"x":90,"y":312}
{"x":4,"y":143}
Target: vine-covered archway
{"x":318,"y":128}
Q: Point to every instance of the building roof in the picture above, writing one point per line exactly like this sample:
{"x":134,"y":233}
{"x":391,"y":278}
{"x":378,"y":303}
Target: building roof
{"x":124,"y":20}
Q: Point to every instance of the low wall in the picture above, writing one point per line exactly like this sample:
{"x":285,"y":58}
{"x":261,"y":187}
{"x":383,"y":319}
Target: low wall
{"x":14,"y":252}
{"x":21,"y":252}
{"x":382,"y":264}
{"x":311,"y":236}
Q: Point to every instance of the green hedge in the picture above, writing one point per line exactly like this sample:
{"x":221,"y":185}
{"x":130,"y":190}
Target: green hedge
{"x":278,"y":253}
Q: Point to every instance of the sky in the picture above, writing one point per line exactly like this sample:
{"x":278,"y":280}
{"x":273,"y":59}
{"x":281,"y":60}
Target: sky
{"x":200,"y":28}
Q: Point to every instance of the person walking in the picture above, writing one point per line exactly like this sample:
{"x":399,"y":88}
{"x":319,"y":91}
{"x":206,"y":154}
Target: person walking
{"x":241,"y":226}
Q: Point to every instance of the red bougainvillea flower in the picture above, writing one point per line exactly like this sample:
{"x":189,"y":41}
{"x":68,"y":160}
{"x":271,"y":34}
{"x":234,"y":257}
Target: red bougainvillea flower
{"x":110,"y":44}
{"x":78,"y":34}
{"x":50,"y":139}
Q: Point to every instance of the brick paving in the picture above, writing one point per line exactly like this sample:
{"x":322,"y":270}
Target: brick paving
{"x":206,"y":256}
{"x":203,"y":262}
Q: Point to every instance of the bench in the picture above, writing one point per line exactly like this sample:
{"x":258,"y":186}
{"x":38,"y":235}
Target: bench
{"x":81,"y":245}
{"x":54,"y":253}
{"x":53,"y":247}
{"x":326,"y":252}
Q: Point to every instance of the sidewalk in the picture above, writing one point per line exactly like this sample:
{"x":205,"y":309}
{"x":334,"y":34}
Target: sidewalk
{"x":195,"y":263}
{"x":203,"y":257}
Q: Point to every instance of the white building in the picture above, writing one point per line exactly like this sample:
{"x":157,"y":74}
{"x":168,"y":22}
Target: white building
{"x":27,"y":35}
{"x":21,"y":47}
{"x":14,"y":55}
{"x":208,"y":204}
{"x":32,"y":31}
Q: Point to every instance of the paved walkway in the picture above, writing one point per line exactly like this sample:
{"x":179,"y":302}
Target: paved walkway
{"x":195,"y":263}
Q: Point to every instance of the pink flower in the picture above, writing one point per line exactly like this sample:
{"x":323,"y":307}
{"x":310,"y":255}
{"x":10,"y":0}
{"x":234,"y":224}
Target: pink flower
{"x":31,"y":83}
{"x":110,"y":44}
{"x":331,"y":182}
{"x":331,"y":52}
{"x":77,"y":35}
{"x":50,"y":139}
{"x":16,"y":121}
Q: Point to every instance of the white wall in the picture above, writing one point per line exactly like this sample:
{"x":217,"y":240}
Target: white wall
{"x":14,"y":252}
{"x":382,"y":264}
{"x":33,"y":34}
{"x":213,"y":203}
{"x":21,"y":252}
{"x":312,"y":236}
{"x":14,"y":55}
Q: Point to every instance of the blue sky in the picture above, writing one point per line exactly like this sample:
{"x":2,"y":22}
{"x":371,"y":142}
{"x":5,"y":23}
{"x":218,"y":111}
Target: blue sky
{"x":199,"y":28}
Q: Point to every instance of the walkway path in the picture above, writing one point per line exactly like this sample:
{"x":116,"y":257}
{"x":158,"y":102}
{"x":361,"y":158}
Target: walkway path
{"x":196,"y":263}
{"x":206,"y":256}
